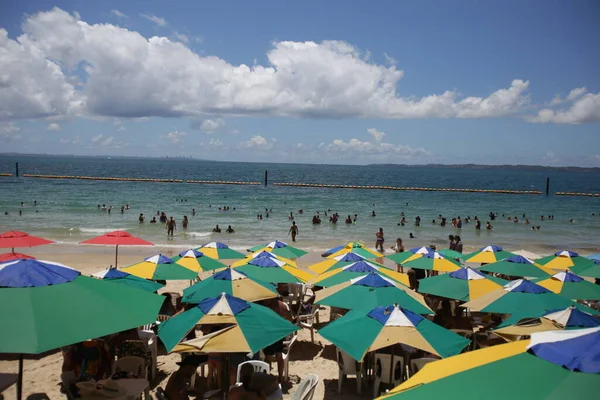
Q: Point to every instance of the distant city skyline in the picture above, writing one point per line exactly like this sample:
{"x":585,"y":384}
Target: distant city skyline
{"x":304,"y":82}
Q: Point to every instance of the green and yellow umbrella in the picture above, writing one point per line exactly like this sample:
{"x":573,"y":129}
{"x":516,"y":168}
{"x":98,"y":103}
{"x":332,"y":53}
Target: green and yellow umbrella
{"x":263,"y":253}
{"x":160,"y":268}
{"x":591,"y":271}
{"x":564,"y":259}
{"x":219,"y":251}
{"x":337,"y":262}
{"x":358,"y":248}
{"x":123,"y":278}
{"x":571,"y":286}
{"x":465,"y":284}
{"x":196,"y":261}
{"x":268,"y":269}
{"x":517,"y":266}
{"x":255,"y":326}
{"x":233,"y":283}
{"x":412,"y":254}
{"x":354,"y":270}
{"x":369,"y":291}
{"x":280,"y":249}
{"x":488,"y":254}
{"x":433,"y":262}
{"x":551,"y":365}
{"x":365,"y":330}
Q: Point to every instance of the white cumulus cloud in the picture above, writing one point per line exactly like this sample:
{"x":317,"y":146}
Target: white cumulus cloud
{"x":376,"y":135}
{"x":174,"y":136}
{"x":585,"y":109}
{"x":259,"y":143}
{"x":54,"y":127}
{"x":211,"y":125}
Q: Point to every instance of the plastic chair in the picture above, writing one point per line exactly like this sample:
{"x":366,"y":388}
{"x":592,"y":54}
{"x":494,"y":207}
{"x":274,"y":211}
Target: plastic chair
{"x":306,"y":389}
{"x":149,"y":339}
{"x":259,"y":366}
{"x":294,"y":297}
{"x":162,"y":317}
{"x":418,"y":363}
{"x":133,"y":365}
{"x":388,"y":369}
{"x":347,"y":366}
{"x":307,"y":321}
{"x":287,"y":348}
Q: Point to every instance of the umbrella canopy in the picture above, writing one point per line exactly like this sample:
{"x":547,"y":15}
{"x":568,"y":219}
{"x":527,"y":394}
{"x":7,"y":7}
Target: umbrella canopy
{"x":123,"y":278}
{"x":357,"y":248}
{"x":400,"y":258}
{"x":434,"y":262}
{"x":226,"y":340}
{"x":464,"y":284}
{"x":12,"y":239}
{"x":258,"y":326}
{"x":160,"y":267}
{"x":263,"y":253}
{"x":14,"y":256}
{"x":551,"y":365}
{"x":591,"y":271}
{"x":268,"y":269}
{"x":593,"y":257}
{"x":571,"y":286}
{"x":521,"y":299}
{"x":281,"y":249}
{"x":332,"y":250}
{"x":196,"y":261}
{"x":219,"y":251}
{"x":362,"y":331}
{"x":369,"y":291}
{"x":564,"y":259}
{"x":336,"y":262}
{"x":517,"y":266}
{"x":569,"y":318}
{"x":54,"y":306}
{"x":354,"y":270}
{"x":488,"y":254}
{"x":232,"y":282}
{"x":451,"y":254}
{"x":118,"y":238}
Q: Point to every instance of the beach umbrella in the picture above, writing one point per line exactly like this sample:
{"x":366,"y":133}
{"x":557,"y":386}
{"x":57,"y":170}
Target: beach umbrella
{"x":232,"y":282}
{"x":332,"y":250}
{"x":415,"y":252}
{"x":591,"y":271}
{"x":357,"y":248}
{"x":272,"y":270}
{"x":451,"y":254}
{"x":434,"y":262}
{"x":336,"y":262}
{"x":14,"y":256}
{"x":488,"y":254}
{"x":256,"y":325}
{"x":226,"y":340}
{"x":160,"y":267}
{"x":354,"y":270}
{"x":118,"y":238}
{"x":196,"y":261}
{"x":521,"y":299}
{"x":281,"y":249}
{"x":48,"y":305}
{"x":364,"y":330}
{"x":219,"y":251}
{"x":550,"y":365}
{"x":517,"y":266}
{"x":123,"y":278}
{"x":369,"y":291}
{"x":566,"y":319}
{"x":464,"y":284}
{"x":571,"y":286}
{"x":12,"y":239}
{"x":593,"y":257}
{"x":564,"y":259}
{"x":263,"y":253}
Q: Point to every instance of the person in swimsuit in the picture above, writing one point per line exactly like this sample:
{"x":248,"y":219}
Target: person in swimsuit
{"x":171,"y":226}
{"x":185,"y":222}
{"x":141,"y":218}
{"x":293,"y":231}
{"x":379,"y":240}
{"x":399,"y":248}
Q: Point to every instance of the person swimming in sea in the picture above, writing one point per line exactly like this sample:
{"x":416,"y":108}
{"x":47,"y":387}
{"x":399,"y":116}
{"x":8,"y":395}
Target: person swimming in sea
{"x":141,"y":218}
{"x":153,"y":220}
{"x":217,"y":229}
{"x":489,"y":226}
{"x":230,"y":229}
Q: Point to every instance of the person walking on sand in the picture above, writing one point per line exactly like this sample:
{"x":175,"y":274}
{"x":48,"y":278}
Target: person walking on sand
{"x":379,"y":240}
{"x":171,"y":226}
{"x":293,"y":231}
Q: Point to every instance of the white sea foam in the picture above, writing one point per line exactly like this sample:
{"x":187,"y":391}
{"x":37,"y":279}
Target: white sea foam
{"x":198,"y":234}
{"x":97,"y":231}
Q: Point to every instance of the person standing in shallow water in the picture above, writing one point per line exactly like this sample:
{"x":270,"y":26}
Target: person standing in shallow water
{"x":185,"y":222}
{"x":293,"y":231}
{"x":171,"y":226}
{"x":451,"y":243}
{"x":458,"y":246}
{"x":379,"y":240}
{"x":399,"y":248}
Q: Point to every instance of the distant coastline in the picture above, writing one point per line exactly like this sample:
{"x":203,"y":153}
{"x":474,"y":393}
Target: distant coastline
{"x":513,"y":167}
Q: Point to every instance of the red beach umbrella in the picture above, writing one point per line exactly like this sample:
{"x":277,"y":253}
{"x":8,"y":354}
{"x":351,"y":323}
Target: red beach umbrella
{"x":118,"y":238}
{"x":14,"y":256}
{"x":14,"y":239}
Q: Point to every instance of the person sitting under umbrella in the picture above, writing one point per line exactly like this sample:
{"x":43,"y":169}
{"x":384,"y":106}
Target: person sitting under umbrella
{"x":178,"y":385}
{"x":255,"y":385}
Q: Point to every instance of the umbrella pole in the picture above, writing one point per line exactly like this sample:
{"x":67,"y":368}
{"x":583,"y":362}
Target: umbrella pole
{"x":20,"y":378}
{"x":116,"y":255}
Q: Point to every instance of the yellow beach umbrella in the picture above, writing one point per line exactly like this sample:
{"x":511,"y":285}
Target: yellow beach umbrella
{"x":263,"y":253}
{"x":354,"y":270}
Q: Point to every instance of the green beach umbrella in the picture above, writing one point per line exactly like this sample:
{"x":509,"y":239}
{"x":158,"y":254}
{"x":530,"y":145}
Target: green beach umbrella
{"x":336,"y":262}
{"x":354,"y":270}
{"x":363,"y":330}
{"x":259,"y":326}
{"x":552,"y":365}
{"x":123,"y":278}
{"x":196,"y":261}
{"x":464,"y":284}
{"x":219,"y":251}
{"x":358,"y":248}
{"x":517,"y":266}
{"x":281,"y":249}
{"x":488,"y":254}
{"x":272,"y":270}
{"x":416,"y":252}
{"x":434,"y":262}
{"x":369,"y":291}
{"x":564,"y":259}
{"x":232,"y":282}
{"x":571,"y":286}
{"x":48,"y":305}
{"x":455,"y":255}
{"x":591,"y":271}
{"x":161,"y":267}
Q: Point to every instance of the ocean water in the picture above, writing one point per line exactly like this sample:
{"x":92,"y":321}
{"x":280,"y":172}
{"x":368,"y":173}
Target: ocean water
{"x":67,"y":209}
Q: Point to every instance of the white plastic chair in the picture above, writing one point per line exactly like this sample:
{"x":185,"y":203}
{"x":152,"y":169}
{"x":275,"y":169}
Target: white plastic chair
{"x":307,"y":321}
{"x":132,"y":365}
{"x":149,"y":338}
{"x":259,"y":366}
{"x":348,"y":366}
{"x":294,"y":297}
{"x":306,"y":389}
{"x":388,"y":369}
{"x":418,"y":363}
{"x":286,"y":354}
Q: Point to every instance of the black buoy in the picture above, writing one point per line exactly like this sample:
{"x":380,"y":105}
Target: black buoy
{"x":266,"y":176}
{"x":17,"y":169}
{"x":547,"y":186}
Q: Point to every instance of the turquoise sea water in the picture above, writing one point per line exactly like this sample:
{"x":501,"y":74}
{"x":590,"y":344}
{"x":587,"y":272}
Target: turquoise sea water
{"x":67,"y":209}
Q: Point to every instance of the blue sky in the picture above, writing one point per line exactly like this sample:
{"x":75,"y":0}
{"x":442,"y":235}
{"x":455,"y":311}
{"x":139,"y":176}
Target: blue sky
{"x":319,"y":82}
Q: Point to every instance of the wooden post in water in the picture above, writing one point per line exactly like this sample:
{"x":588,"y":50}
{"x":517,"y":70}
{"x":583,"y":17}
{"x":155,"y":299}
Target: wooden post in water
{"x":266,"y":176}
{"x":17,"y":169}
{"x":547,"y":186}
